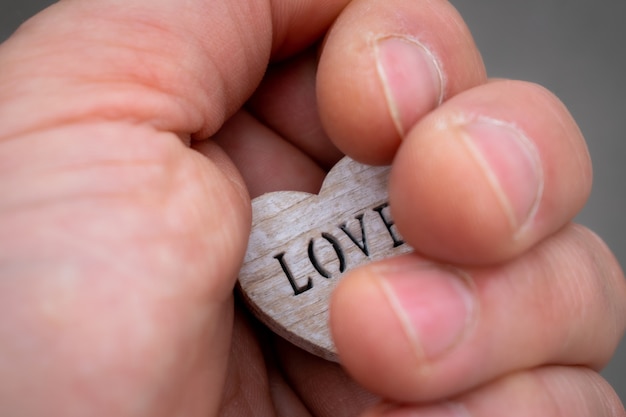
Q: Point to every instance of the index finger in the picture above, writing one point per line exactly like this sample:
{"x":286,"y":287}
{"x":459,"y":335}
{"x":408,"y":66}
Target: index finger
{"x":179,"y":67}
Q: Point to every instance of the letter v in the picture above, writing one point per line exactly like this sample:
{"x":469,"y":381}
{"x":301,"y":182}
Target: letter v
{"x":362,"y":243}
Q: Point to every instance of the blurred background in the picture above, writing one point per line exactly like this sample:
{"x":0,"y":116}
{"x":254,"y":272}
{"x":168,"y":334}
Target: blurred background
{"x":577,"y":49}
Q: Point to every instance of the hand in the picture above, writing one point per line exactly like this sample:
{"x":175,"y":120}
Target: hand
{"x":120,"y":246}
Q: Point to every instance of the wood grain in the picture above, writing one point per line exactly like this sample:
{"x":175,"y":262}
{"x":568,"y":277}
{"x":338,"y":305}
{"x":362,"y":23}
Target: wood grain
{"x":302,"y":244}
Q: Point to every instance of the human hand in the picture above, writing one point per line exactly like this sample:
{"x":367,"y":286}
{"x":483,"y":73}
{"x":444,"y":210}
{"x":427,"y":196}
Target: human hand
{"x":119,"y":246}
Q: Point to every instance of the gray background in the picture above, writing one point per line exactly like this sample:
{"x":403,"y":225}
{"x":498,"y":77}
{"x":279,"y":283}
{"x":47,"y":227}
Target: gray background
{"x":576,"y":48}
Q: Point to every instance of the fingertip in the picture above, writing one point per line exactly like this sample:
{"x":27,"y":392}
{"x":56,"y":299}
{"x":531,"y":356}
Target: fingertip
{"x":385,"y":65}
{"x":367,"y":334}
{"x":442,"y":202}
{"x":489,"y":173}
{"x":393,"y":321}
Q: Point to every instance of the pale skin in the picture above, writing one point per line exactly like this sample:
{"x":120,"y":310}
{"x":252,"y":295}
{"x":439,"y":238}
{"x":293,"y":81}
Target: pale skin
{"x":133,"y":134}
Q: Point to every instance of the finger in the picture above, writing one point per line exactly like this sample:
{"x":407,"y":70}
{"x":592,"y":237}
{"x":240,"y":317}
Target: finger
{"x":489,"y":174}
{"x":178,"y":68}
{"x":280,"y":143}
{"x":412,"y":331}
{"x":247,"y":389}
{"x":266,"y":161}
{"x":286,"y":102}
{"x":323,"y":386}
{"x":385,"y":65}
{"x":299,"y":383}
{"x":547,"y":392}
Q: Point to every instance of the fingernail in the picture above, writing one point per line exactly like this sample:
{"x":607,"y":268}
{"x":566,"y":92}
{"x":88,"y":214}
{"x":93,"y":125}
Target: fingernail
{"x":411,"y":78}
{"x":443,"y":410}
{"x":511,"y":165}
{"x":434,"y":305}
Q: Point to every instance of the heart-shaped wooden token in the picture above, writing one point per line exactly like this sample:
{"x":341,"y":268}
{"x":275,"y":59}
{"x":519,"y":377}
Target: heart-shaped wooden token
{"x":301,"y":244}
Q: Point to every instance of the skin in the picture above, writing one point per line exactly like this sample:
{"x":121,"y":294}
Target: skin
{"x":133,"y":135}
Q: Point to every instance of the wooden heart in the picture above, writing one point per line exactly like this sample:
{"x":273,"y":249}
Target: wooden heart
{"x":301,"y":244}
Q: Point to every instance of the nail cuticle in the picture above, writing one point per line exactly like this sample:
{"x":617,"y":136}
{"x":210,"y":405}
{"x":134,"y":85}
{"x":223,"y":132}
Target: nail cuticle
{"x":528,"y":172}
{"x":411,"y":78}
{"x":433,"y":301}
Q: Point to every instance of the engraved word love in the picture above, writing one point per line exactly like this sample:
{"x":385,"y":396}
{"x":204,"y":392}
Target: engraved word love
{"x":301,"y":244}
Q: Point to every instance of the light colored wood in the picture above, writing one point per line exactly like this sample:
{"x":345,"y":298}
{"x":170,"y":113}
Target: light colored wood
{"x":315,"y":240}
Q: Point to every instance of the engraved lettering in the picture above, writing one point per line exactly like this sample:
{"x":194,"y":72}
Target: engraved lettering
{"x":338,"y":251}
{"x":388,"y":224}
{"x":319,"y":257}
{"x":362,"y":243}
{"x":297,"y":290}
